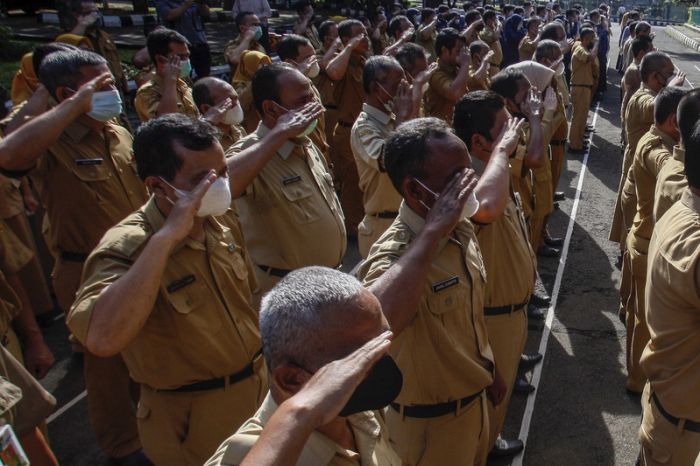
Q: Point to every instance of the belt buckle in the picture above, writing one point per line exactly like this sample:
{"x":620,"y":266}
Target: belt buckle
{"x":258,"y":362}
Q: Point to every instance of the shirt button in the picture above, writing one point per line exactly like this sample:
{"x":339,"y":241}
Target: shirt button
{"x":231,"y":247}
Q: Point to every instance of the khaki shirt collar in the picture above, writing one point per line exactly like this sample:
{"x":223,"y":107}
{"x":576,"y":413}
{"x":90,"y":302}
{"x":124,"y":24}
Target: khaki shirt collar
{"x":319,"y":450}
{"x":447,"y":67}
{"x":667,"y":140}
{"x":690,"y":200}
{"x":648,"y":90}
{"x":375,"y":113}
{"x":679,"y":153}
{"x":415,"y":222}
{"x":287,"y":148}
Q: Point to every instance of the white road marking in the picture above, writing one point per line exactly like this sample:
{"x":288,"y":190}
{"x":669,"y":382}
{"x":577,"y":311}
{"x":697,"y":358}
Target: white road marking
{"x":537,"y":372}
{"x":66,"y":407}
{"x":59,"y":317}
{"x":696,"y":67}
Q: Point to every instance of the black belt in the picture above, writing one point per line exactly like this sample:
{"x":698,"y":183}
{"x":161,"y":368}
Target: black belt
{"x":589,"y":86}
{"x":688,"y":425}
{"x":74,"y":256}
{"x":557,"y":142}
{"x":281,"y":273}
{"x":440,"y":409}
{"x":385,"y":214}
{"x":221,"y":382}
{"x":331,"y":107}
{"x":344,"y":124}
{"x":496,"y":311}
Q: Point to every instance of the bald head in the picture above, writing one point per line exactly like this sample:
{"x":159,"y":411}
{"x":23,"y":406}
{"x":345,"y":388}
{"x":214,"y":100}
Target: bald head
{"x":656,"y":66}
{"x":211,"y":91}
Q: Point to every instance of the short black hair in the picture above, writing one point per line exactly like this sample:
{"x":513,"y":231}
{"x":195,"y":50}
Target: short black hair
{"x":156,"y":141}
{"x":288,"y":46}
{"x":300,"y":5}
{"x":407,"y":151}
{"x":426,"y":13}
{"x":325,"y":28}
{"x":507,"y":8}
{"x":666,"y":103}
{"x":395,"y":24}
{"x":41,"y":51}
{"x":692,"y":159}
{"x":159,"y":40}
{"x":688,"y":113}
{"x":593,"y":13}
{"x":641,"y":44}
{"x":62,"y":69}
{"x":531,"y":21}
{"x":447,"y":38}
{"x":641,"y":27}
{"x":471,"y":16}
{"x":475,"y":113}
{"x":478,"y":46}
{"x":540,"y":9}
{"x":505,"y":83}
{"x":632,"y":25}
{"x":264,"y":84}
{"x":376,"y":69}
{"x":585,"y":32}
{"x":240,"y":17}
{"x":653,"y":62}
{"x":518,"y":10}
{"x":345,"y":28}
{"x":408,"y":54}
{"x":546,"y":49}
{"x":489,"y":14}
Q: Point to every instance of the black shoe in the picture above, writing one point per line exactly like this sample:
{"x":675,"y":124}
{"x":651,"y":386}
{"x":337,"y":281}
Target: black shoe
{"x":559,"y":196}
{"x":528,"y":361}
{"x":554,"y":242}
{"x":534,"y":312}
{"x":540,"y":300}
{"x":556,"y":205}
{"x":523,"y":387}
{"x":548,"y":251}
{"x":589,"y":128}
{"x":503,"y":448}
{"x":45,"y":320}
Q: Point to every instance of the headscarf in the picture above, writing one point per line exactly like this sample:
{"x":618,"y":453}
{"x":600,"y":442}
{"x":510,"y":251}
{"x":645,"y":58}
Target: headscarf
{"x":25,"y":81}
{"x":512,"y":35}
{"x":75,"y":40}
{"x":540,"y":76}
{"x":251,"y":61}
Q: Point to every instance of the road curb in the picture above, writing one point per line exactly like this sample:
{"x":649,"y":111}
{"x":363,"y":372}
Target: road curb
{"x":116,"y":21}
{"x":680,"y":37}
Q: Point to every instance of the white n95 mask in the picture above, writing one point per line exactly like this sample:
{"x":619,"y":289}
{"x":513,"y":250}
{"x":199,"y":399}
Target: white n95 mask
{"x":234,"y":116}
{"x":216,"y":200}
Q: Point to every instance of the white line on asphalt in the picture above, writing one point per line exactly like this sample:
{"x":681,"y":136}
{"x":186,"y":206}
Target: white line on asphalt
{"x":66,"y":407}
{"x":696,"y":67}
{"x":537,"y":372}
{"x":59,"y":317}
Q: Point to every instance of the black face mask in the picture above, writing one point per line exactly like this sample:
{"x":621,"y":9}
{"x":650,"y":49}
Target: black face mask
{"x":381,"y":386}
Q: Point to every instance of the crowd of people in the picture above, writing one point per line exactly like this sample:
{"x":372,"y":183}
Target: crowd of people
{"x":197,"y":256}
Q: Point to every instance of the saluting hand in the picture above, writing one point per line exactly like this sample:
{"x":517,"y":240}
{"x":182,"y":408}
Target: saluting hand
{"x":678,"y":80}
{"x":510,"y":135}
{"x":216,"y":113}
{"x":171,"y":70}
{"x":447,"y":209}
{"x":181,"y":218}
{"x":464,"y":59}
{"x":424,"y":76}
{"x":403,"y":102}
{"x":83,"y":98}
{"x":532,"y":105}
{"x":295,"y":121}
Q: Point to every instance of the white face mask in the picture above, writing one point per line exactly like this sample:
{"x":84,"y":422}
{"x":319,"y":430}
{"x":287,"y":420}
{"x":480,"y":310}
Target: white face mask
{"x":470,"y":208}
{"x":313,"y":70}
{"x":389,"y":104}
{"x":234,"y":115}
{"x":215,"y":202}
{"x":559,"y":70}
{"x":105,"y":105}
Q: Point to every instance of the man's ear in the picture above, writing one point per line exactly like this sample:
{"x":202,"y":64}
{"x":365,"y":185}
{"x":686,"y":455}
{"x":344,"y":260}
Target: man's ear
{"x":62,"y":93}
{"x":204,"y":108}
{"x":289,"y":379}
{"x":156,"y":186}
{"x":411,"y":190}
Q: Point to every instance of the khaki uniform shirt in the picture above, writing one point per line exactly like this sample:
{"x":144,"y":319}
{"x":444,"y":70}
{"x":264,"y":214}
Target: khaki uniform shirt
{"x":149,"y":95}
{"x":639,"y":116}
{"x":508,"y":257}
{"x":563,"y":89}
{"x":370,"y":434}
{"x":230,"y":134}
{"x":349,"y":92}
{"x":437,"y":104}
{"x":670,"y":183}
{"x":203,"y":324}
{"x":233,"y":44}
{"x":475,"y":84}
{"x":526,"y":48}
{"x":581,"y":66}
{"x":521,"y":176}
{"x":89,"y":184}
{"x":290,"y":213}
{"x":671,"y":359}
{"x":444,"y":353}
{"x":325,"y":86}
{"x":428,"y":44}
{"x":311,"y":34}
{"x":13,"y":257}
{"x":653,"y":150}
{"x":11,"y":201}
{"x":369,"y":132}
{"x":491,"y":38}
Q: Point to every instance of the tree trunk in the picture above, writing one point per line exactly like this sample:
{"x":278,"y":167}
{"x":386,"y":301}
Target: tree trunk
{"x":140,"y":6}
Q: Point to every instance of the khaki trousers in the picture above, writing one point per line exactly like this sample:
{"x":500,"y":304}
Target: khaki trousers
{"x":369,"y":230}
{"x":507,"y":336}
{"x":581,"y":102}
{"x":664,"y":444}
{"x":111,"y":394}
{"x":459,"y":439}
{"x":637,"y":330}
{"x":347,"y":181}
{"x":185,"y":429}
{"x":331,"y":117}
{"x":558,"y":152}
{"x":544,"y":202}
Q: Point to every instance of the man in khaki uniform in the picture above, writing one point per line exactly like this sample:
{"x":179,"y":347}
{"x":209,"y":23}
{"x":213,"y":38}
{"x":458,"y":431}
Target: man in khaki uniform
{"x":632,"y":78}
{"x":449,"y":82}
{"x":328,"y":33}
{"x":387,"y":104}
{"x":428,"y":273}
{"x":491,"y":34}
{"x":505,"y":248}
{"x":167,"y":92}
{"x":304,"y":25}
{"x":670,"y":430}
{"x":188,"y":332}
{"x":479,"y":67}
{"x":653,"y":150}
{"x":583,"y":55}
{"x":671,"y":180}
{"x":289,"y":212}
{"x":208,"y":93}
{"x":528,"y":44}
{"x":346,"y":70}
{"x":329,"y":313}
{"x":89,"y":184}
{"x":249,"y":32}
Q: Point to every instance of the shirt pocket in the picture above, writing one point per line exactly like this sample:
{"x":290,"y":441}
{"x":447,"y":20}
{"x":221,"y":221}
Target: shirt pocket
{"x":91,"y":173}
{"x":194,"y":311}
{"x":301,"y":202}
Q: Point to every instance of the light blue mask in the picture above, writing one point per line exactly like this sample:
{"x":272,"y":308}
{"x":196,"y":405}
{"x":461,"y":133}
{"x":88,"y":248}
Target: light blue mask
{"x":106,"y":105}
{"x":185,"y":68}
{"x":258,"y":33}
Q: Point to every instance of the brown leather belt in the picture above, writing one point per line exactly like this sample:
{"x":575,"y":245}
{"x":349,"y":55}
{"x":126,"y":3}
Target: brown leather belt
{"x":280,"y":273}
{"x":588,"y":86}
{"x":74,"y":256}
{"x":386,"y":214}
{"x":687,"y":425}
{"x":496,"y":311}
{"x":437,"y":410}
{"x":221,"y":382}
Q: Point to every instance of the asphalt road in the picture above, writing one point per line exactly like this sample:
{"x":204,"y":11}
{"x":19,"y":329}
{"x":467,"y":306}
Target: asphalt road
{"x":580,"y":413}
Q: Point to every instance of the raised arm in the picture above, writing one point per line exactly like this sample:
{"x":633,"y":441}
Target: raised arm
{"x":338,"y":65}
{"x":458,"y":86}
{"x":534,"y":157}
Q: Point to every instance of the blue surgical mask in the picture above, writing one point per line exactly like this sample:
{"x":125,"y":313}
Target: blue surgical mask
{"x":258,"y":33}
{"x":185,"y":68}
{"x":106,"y":105}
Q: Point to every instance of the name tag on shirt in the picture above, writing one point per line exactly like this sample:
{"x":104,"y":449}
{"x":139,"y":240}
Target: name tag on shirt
{"x":291,"y":180}
{"x":439,"y":286}
{"x":88,"y":162}
{"x":181,"y":283}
